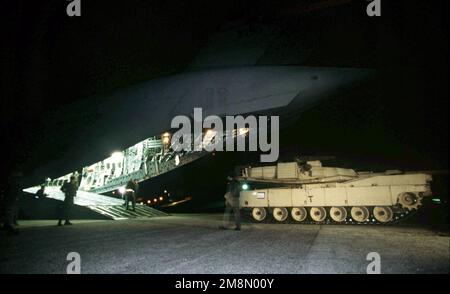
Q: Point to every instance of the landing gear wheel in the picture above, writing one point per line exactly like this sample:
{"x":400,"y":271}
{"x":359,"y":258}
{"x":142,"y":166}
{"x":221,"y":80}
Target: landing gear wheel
{"x":410,"y":201}
{"x":318,"y":214}
{"x":360,"y":213}
{"x":280,"y":214}
{"x":338,"y":214}
{"x":299,"y":213}
{"x":383,"y":214}
{"x":259,"y":214}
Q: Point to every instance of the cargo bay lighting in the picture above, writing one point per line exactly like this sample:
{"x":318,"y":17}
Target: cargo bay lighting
{"x":166,"y":138}
{"x":116,"y":155}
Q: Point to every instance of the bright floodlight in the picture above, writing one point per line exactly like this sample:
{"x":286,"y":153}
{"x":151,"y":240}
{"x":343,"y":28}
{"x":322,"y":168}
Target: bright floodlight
{"x":166,"y":138}
{"x":116,"y":155}
{"x":244,"y":187}
{"x":122,"y":190}
{"x":243,"y":131}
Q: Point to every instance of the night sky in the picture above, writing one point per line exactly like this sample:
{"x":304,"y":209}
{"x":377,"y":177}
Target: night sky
{"x":399,"y":120}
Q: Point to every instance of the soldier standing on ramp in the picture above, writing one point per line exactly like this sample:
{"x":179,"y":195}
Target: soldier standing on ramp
{"x":131,"y":190}
{"x":41,"y":192}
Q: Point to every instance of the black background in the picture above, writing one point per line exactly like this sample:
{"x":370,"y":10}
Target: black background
{"x":400,"y":120}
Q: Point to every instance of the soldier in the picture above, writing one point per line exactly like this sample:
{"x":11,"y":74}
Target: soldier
{"x":131,"y":190}
{"x":41,"y":192}
{"x":232,"y":204}
{"x":11,"y":202}
{"x":70,"y":192}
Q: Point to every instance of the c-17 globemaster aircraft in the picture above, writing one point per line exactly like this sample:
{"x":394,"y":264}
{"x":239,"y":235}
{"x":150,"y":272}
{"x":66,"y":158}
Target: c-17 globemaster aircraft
{"x":235,"y":80}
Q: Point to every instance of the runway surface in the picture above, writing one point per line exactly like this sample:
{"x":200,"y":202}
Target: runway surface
{"x":193,"y":244}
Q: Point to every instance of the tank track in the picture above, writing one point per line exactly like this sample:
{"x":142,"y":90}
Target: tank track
{"x":400,"y":215}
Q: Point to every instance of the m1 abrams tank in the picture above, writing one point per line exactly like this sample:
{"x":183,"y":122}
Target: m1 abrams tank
{"x":307,"y":192}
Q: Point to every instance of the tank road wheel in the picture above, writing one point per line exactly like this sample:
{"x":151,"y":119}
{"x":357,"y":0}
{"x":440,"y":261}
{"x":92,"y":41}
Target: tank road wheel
{"x":318,"y":214}
{"x":299,"y":213}
{"x":360,"y":213}
{"x":259,"y":213}
{"x":280,"y":214}
{"x":338,"y":214}
{"x":383,"y":214}
{"x":410,"y":201}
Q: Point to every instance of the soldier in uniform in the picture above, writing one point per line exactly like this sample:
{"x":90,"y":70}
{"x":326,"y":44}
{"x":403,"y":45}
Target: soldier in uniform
{"x":232,"y":204}
{"x":11,"y":202}
{"x":41,"y":192}
{"x":70,"y":191}
{"x":131,"y":190}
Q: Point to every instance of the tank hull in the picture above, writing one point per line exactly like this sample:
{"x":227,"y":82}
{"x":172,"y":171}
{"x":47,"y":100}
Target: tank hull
{"x":365,"y":197}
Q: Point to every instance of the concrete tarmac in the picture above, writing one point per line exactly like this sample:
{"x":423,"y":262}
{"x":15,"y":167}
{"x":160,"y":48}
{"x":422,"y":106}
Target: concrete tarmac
{"x":192,"y":243}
